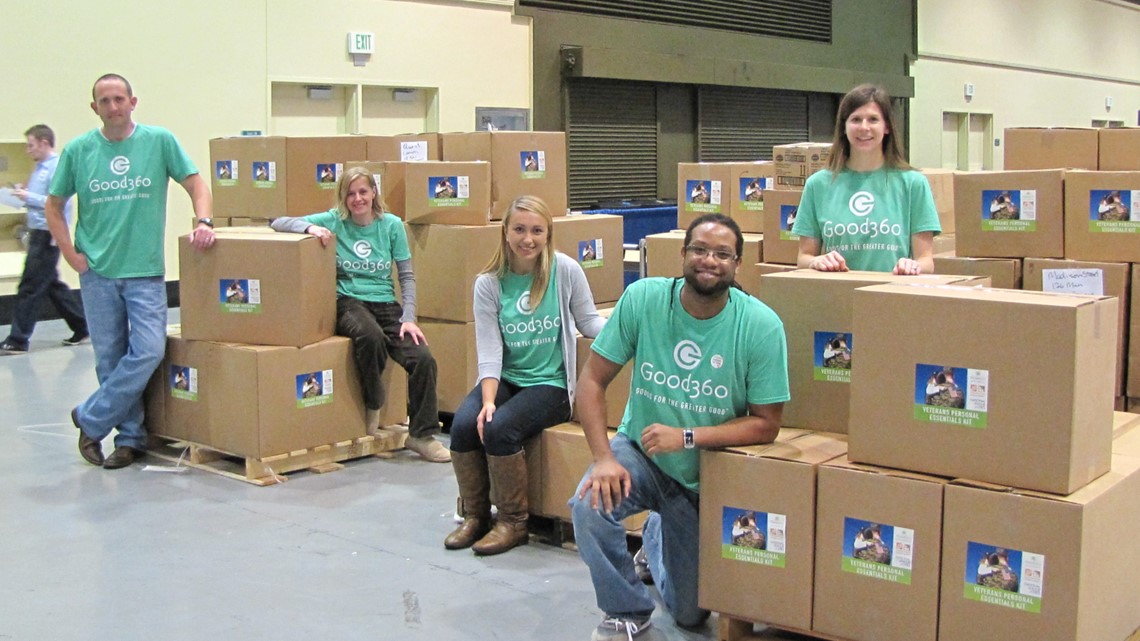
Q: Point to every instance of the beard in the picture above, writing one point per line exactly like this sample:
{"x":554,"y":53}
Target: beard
{"x":717,"y":288}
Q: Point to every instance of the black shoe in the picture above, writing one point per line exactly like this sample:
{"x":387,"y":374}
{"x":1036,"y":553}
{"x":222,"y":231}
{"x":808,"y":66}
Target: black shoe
{"x":78,"y":338}
{"x":8,"y":348}
{"x":90,"y":449}
{"x":122,"y":457}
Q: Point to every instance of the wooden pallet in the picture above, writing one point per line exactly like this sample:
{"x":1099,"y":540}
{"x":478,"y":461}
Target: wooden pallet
{"x":272,"y":469}
{"x":733,"y":629}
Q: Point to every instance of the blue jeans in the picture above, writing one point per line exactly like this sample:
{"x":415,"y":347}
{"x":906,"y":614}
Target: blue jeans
{"x":520,"y":413}
{"x":127,"y":321}
{"x":670,"y":539}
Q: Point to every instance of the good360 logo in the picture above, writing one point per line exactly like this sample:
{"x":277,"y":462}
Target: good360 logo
{"x":363,"y":249}
{"x":120,"y":166}
{"x":688,"y":356}
{"x":534,"y":325}
{"x":523,"y":304}
{"x":862,"y":205}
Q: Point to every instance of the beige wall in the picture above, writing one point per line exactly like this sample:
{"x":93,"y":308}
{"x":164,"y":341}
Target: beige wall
{"x":1032,"y":63}
{"x":205,"y":70}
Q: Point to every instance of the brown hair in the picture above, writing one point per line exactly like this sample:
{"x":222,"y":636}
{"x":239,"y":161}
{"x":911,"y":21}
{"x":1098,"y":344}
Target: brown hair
{"x":893,"y":154}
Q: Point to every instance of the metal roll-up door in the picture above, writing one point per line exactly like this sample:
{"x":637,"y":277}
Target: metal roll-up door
{"x":741,"y":124}
{"x":611,"y":136}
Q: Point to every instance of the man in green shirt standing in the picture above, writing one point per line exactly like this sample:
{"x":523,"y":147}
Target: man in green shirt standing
{"x":709,"y":372}
{"x":119,"y":174}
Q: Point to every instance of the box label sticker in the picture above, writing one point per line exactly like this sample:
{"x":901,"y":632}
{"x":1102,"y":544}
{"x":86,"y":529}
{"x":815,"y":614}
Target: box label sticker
{"x":590,"y":253}
{"x":1009,"y":210}
{"x":1114,"y":211}
{"x":954,"y":395}
{"x":184,"y":382}
{"x":754,"y":537}
{"x":449,"y":191}
{"x":1073,"y":281}
{"x":832,"y":357}
{"x":227,"y":172}
{"x":1001,"y":576}
{"x":315,"y":388}
{"x":752,"y":192}
{"x":533,"y":164}
{"x":264,"y":174}
{"x":328,"y":174}
{"x":413,"y":150}
{"x":878,"y":550}
{"x":787,"y":219}
{"x":702,"y":196}
{"x":240,"y":296}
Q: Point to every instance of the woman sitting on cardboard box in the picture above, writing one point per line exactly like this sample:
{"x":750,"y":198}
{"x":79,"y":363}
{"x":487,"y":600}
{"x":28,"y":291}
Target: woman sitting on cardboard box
{"x":869,"y":210}
{"x":368,"y":241}
{"x":529,"y":301}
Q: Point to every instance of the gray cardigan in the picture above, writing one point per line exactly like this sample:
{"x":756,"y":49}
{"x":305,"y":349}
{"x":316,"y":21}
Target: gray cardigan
{"x":576,"y":308}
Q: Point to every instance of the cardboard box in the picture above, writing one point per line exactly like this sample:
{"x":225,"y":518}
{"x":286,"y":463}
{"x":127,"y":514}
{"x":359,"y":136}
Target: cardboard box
{"x":664,"y":257}
{"x":780,"y":244}
{"x":934,"y":390}
{"x":595,"y":241}
{"x":1102,"y":215}
{"x":762,"y":270}
{"x":312,"y":168}
{"x":1073,"y":558}
{"x":522,"y":163}
{"x":565,"y":458}
{"x":446,"y":260}
{"x":453,"y":345}
{"x":258,"y":288}
{"x":257,"y":400}
{"x":439,"y":193}
{"x":748,"y":182}
{"x":403,"y":148}
{"x":816,"y":310}
{"x":763,"y":571}
{"x":942,"y":188}
{"x":1119,"y":149}
{"x":797,"y":161}
{"x":1092,"y":278}
{"x":1133,"y":378}
{"x":1050,"y":148}
{"x":1004,"y":273}
{"x":945,"y":244}
{"x":247,"y":176}
{"x":878,"y":535}
{"x":1009,"y":214}
{"x":702,"y":188}
{"x":617,"y":394}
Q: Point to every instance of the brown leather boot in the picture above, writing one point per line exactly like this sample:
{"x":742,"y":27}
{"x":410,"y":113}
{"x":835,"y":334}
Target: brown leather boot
{"x":474,"y":502}
{"x":508,"y":492}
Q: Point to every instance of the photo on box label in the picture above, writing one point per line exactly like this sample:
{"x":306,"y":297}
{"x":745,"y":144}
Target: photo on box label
{"x":1114,"y":210}
{"x":264,"y":174}
{"x":184,"y":382}
{"x":1003,"y":576}
{"x":752,"y":193}
{"x":878,"y":550}
{"x":753,"y":537}
{"x":227,"y":172}
{"x":832,"y":357}
{"x":240,"y":296}
{"x":702,"y":196}
{"x":533,"y":164}
{"x":787,"y":220}
{"x":448,"y":191}
{"x":1009,"y":210}
{"x":327,"y":174}
{"x":315,"y":388}
{"x":953,"y":395}
{"x":590,"y":253}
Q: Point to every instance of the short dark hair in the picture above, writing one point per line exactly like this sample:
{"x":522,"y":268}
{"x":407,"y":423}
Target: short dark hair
{"x":41,"y":132}
{"x":719,"y":219}
{"x":113,"y":76}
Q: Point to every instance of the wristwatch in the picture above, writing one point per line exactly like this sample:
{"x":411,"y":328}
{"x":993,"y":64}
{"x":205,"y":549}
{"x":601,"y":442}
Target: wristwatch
{"x":209,"y":222}
{"x":689,"y":438}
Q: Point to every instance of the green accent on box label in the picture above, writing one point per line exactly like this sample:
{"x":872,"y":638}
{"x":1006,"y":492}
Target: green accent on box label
{"x":1114,"y":226}
{"x":965,"y":418}
{"x":314,"y":388}
{"x":951,"y":395}
{"x":876,"y":570}
{"x":184,"y":382}
{"x":1003,"y":598}
{"x":1009,"y":225}
{"x":752,"y":555}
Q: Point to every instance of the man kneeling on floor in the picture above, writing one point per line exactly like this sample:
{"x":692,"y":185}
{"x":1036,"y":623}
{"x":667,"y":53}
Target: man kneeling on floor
{"x":710,"y":372}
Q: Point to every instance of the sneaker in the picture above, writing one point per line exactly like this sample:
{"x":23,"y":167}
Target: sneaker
{"x":429,"y":448}
{"x":78,"y":338}
{"x":619,"y":628}
{"x":641,"y":566}
{"x":8,"y":348}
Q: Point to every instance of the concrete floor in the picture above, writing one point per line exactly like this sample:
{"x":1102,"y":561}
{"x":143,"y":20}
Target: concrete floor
{"x":142,"y":554}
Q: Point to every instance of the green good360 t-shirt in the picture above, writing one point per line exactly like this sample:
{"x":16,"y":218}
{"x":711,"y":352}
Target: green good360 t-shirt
{"x":121,"y":188}
{"x":364,"y":254}
{"x":690,"y":372}
{"x":532,"y":351}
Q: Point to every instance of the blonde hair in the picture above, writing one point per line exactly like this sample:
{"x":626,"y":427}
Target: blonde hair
{"x":345,"y":182}
{"x":500,"y":263}
{"x":893,"y":154}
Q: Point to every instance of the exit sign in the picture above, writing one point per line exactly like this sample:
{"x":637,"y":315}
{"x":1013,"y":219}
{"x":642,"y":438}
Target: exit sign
{"x":360,"y":42}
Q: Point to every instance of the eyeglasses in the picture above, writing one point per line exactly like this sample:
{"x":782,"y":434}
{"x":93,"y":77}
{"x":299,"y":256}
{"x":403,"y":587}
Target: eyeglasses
{"x":696,"y":251}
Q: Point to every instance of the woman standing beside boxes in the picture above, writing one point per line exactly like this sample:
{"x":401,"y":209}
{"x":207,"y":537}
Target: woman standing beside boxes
{"x":529,"y":301}
{"x":870,"y":210}
{"x":368,"y":241}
